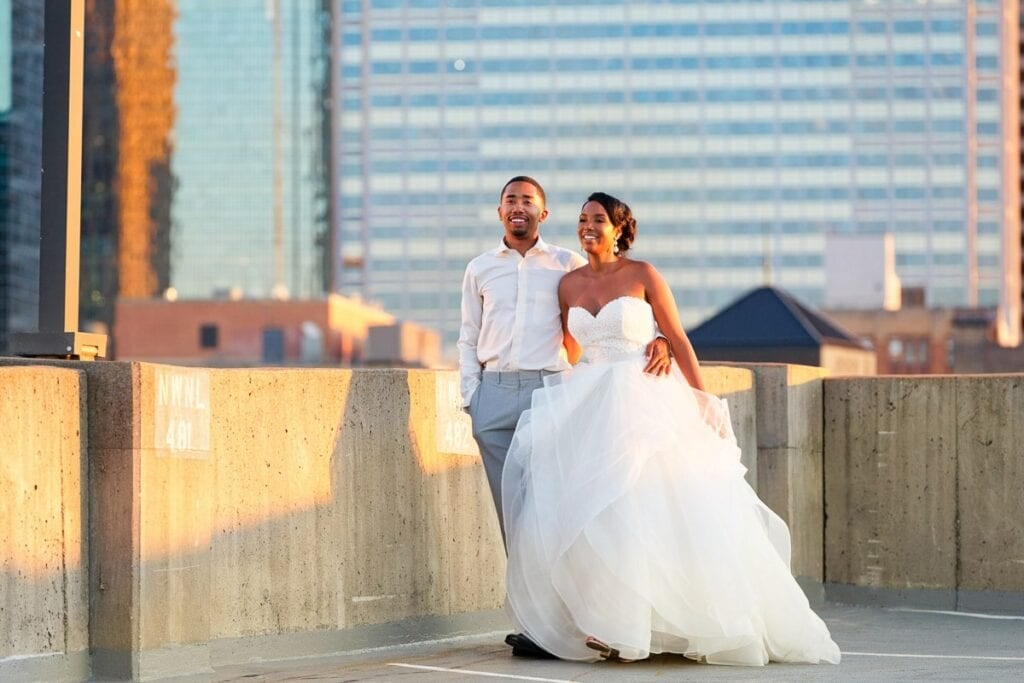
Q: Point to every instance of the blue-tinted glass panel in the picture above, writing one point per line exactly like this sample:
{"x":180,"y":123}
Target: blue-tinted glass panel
{"x":946,"y":59}
{"x":947,"y":26}
{"x":986,"y":29}
{"x":664,"y":30}
{"x":904,"y":26}
{"x":419,"y":34}
{"x":456,"y":33}
{"x":871,"y":27}
{"x":590,"y":31}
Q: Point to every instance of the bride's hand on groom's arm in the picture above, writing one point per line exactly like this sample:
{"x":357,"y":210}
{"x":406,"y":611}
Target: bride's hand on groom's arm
{"x":659,"y":358}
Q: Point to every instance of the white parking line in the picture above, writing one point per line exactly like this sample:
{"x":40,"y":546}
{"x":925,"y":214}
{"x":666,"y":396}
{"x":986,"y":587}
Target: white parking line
{"x":976,"y":615}
{"x":470,"y":672}
{"x":916,"y":656}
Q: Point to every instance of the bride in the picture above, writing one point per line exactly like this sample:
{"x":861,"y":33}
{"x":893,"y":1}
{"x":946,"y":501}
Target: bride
{"x":631,"y":529}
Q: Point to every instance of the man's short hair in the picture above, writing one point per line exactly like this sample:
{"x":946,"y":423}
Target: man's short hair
{"x":525,"y":179}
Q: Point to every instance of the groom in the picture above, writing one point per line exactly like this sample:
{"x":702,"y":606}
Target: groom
{"x":511,"y":334}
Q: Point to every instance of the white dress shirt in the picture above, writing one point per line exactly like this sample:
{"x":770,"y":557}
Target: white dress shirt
{"x":510,"y":314}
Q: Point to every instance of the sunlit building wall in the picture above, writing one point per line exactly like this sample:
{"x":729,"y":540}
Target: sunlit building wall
{"x":1020,"y":53}
{"x":249,"y":207}
{"x":127,"y":187}
{"x":741,"y":133}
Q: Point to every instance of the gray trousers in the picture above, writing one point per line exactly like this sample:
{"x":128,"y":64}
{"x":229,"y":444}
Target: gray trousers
{"x":495,"y":409}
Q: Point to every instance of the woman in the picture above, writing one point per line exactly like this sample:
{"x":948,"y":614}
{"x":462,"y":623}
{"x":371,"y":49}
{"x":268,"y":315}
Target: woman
{"x":631,"y":529}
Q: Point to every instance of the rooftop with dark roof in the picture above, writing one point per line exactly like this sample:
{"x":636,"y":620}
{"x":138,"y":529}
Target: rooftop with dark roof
{"x":769,"y":316}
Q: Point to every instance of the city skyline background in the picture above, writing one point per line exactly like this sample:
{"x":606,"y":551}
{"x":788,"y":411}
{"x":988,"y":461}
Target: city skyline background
{"x":742,"y":134}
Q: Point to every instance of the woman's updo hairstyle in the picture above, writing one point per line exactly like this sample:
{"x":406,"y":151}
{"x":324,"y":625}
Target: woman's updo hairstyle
{"x":621,"y":217}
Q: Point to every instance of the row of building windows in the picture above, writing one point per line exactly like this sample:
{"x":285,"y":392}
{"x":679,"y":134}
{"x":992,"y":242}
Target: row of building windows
{"x":803,"y":62}
{"x":754,"y":128}
{"x":727,"y":194}
{"x":723,"y":228}
{"x":754,"y":260}
{"x":640,"y":130}
{"x":405,"y":163}
{"x":670,"y":30}
{"x":738,"y":128}
{"x":705,"y":297}
{"x":935,"y":258}
{"x":355,"y":6}
{"x":659,"y":96}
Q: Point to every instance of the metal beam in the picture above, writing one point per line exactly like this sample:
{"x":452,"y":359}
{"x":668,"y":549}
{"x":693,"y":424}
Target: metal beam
{"x":61,"y":192}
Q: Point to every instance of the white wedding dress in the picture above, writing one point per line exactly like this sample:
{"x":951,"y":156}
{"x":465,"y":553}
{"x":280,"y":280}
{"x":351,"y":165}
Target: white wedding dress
{"x":629,"y":520}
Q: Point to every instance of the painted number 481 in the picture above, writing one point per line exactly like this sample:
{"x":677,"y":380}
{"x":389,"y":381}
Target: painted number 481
{"x":179,"y":435}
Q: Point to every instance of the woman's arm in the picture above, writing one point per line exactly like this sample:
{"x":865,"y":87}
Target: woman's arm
{"x":572,"y":347}
{"x":659,"y":296}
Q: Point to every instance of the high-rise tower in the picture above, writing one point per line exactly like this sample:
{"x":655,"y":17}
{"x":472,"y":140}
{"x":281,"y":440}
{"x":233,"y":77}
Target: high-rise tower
{"x":249,"y":209}
{"x":127,"y":186}
{"x":742,"y":134}
{"x":21,"y":141}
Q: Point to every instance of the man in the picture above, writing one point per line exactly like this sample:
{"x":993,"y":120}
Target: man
{"x":511,"y":335}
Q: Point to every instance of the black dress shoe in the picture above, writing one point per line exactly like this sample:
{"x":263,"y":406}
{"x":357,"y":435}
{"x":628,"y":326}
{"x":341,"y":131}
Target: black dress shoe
{"x":522,"y":646}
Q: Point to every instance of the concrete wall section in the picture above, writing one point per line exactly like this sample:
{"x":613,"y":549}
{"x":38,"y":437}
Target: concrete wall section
{"x":890,"y":486}
{"x":789,"y":464}
{"x":114,"y":516}
{"x":275,"y":532}
{"x":43,"y":540}
{"x":237,"y":512}
{"x":282,"y":502}
{"x":736,"y":386}
{"x":990,"y":501}
{"x":432,"y":545}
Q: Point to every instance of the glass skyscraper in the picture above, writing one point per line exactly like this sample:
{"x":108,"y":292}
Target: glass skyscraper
{"x":5,"y":55}
{"x":742,"y":133}
{"x":4,"y":285}
{"x":128,"y":114}
{"x":203,"y":152}
{"x":5,"y":106}
{"x":249,"y":208}
{"x":21,"y":143}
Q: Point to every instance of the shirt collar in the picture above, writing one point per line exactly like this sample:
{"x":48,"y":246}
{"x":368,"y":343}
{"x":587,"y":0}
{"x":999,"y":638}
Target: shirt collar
{"x":540,"y":246}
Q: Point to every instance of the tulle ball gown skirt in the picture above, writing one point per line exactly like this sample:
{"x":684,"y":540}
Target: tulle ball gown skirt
{"x":629,"y":520}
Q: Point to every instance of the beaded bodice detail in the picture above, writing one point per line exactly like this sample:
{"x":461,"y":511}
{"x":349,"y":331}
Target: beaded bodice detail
{"x":622,"y":327}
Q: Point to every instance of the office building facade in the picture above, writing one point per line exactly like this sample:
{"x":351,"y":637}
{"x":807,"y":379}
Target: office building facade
{"x":5,"y":106}
{"x":249,"y":211}
{"x":741,"y":133}
{"x":127,"y":187}
{"x":4,"y":285}
{"x":127,"y":109}
{"x":202,"y":153}
{"x":21,"y":143}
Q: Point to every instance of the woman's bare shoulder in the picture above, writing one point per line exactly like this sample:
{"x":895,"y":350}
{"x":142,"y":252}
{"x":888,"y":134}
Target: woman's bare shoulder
{"x":572,"y":278}
{"x":571,"y":281}
{"x":642,"y":269}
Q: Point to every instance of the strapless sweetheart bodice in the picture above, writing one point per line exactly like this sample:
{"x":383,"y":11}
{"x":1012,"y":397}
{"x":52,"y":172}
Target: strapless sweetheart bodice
{"x":621,"y":328}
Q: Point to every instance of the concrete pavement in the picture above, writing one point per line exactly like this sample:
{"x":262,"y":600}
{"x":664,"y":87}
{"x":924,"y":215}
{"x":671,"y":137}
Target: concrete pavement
{"x":877,"y":643}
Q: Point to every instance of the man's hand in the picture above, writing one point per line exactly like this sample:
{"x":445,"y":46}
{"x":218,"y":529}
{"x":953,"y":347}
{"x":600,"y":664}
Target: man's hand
{"x":659,"y":360}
